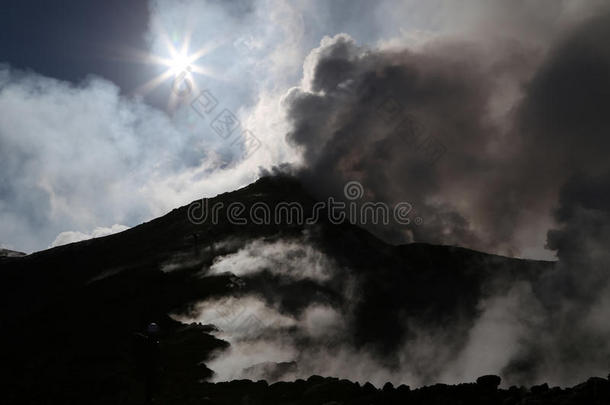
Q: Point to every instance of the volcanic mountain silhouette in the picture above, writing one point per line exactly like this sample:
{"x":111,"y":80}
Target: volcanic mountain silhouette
{"x":68,"y":314}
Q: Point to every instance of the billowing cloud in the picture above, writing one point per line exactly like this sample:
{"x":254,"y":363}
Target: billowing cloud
{"x":410,"y":126}
{"x":79,"y":157}
{"x":456,"y":128}
{"x":285,"y":257}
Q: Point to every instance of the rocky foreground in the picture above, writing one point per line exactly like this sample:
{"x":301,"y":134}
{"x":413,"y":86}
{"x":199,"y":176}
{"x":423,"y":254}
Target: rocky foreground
{"x":327,"y":391}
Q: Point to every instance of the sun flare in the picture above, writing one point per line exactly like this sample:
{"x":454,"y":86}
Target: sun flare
{"x":181,"y":66}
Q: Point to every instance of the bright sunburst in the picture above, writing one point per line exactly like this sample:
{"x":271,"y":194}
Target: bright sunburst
{"x":181,"y":66}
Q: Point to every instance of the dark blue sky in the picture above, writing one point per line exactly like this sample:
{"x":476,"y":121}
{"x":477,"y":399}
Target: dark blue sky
{"x":70,"y":39}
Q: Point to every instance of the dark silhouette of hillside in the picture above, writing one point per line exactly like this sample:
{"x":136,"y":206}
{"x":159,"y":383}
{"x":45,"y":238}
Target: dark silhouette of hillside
{"x":68,"y":314}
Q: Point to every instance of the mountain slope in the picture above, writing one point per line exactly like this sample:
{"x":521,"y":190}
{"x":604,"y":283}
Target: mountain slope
{"x":70,"y":312}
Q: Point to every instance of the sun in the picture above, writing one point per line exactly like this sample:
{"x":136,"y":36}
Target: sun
{"x":181,"y":65}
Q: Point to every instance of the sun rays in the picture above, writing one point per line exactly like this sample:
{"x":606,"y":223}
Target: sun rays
{"x":181,"y":66}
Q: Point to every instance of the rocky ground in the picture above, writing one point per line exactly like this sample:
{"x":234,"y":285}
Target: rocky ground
{"x":333,"y":391}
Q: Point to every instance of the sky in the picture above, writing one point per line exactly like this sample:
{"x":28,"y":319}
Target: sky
{"x":512,"y":92}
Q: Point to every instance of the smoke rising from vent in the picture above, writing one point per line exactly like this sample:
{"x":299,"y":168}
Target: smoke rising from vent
{"x":525,"y":133}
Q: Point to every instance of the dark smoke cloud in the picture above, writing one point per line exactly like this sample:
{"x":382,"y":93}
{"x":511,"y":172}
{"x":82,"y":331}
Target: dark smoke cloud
{"x":477,"y":138}
{"x":410,"y":126}
{"x":563,"y":129}
{"x":568,"y":335}
{"x":526,"y":136}
{"x":577,"y":295}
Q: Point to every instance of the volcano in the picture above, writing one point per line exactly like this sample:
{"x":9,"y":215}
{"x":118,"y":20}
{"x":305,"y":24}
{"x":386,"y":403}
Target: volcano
{"x":69,"y":314}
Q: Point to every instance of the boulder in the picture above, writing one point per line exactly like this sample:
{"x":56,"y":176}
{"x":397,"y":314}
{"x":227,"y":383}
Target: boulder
{"x":388,"y":387}
{"x":539,"y":389}
{"x":489,"y":382}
